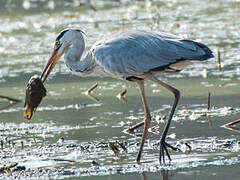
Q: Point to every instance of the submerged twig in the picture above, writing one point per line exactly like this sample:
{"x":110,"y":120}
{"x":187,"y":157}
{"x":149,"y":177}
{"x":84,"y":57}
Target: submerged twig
{"x":233,"y":122}
{"x":10,"y":99}
{"x":219,"y":60}
{"x":1,"y":144}
{"x":91,"y":5}
{"x":89,"y":92}
{"x":231,"y":125}
{"x":65,"y":160}
{"x":13,"y":101}
{"x":72,"y":163}
{"x":130,"y":130}
{"x":34,"y":138}
{"x":209,"y":103}
{"x":94,"y":98}
{"x":208,"y":108}
{"x":121,"y":96}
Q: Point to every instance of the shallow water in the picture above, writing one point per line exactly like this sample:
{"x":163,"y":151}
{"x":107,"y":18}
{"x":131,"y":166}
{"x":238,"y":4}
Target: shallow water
{"x":27,"y":33}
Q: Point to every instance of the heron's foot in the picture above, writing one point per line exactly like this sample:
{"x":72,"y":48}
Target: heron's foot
{"x":163,"y":150}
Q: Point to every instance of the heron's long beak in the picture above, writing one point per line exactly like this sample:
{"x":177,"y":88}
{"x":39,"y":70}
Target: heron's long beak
{"x":50,"y":64}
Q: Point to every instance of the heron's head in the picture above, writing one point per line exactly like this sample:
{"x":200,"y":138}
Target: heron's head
{"x":64,"y":40}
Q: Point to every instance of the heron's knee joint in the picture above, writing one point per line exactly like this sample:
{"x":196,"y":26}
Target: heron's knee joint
{"x":177,"y":93}
{"x":147,"y":124}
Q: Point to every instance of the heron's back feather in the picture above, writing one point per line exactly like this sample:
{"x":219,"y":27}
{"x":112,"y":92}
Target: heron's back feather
{"x":136,"y":52}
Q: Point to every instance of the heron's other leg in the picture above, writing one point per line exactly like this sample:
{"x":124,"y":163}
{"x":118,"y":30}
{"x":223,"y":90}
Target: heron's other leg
{"x":147,"y":118}
{"x":163,"y":144}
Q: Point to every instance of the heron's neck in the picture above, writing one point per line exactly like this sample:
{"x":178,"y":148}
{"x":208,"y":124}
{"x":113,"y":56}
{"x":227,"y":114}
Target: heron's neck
{"x":74,"y":60}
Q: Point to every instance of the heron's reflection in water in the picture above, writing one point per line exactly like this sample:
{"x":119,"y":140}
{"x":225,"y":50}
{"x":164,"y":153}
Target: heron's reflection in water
{"x":165,"y":174}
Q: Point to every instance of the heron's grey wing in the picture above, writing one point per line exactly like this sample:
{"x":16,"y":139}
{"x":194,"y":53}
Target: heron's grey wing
{"x":132,"y":53}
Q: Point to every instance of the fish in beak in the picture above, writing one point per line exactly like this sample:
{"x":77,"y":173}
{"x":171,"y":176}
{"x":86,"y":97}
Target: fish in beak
{"x":35,"y":91}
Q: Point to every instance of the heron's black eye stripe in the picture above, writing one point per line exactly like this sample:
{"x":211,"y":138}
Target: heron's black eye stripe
{"x":61,"y":34}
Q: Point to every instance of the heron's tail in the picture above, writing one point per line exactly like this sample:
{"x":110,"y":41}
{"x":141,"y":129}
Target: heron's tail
{"x":208,"y":52}
{"x":192,"y":50}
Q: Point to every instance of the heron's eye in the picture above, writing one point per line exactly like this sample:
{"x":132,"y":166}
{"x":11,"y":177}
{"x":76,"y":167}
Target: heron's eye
{"x":57,"y":45}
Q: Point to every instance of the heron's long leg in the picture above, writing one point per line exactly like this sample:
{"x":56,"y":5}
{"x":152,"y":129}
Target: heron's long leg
{"x":163,"y":144}
{"x":132,"y":128}
{"x":147,"y":117}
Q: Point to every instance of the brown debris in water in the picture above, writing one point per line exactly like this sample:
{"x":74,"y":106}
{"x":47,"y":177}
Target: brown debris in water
{"x":34,"y":93}
{"x":7,"y":168}
{"x":232,"y":125}
{"x":114,"y":148}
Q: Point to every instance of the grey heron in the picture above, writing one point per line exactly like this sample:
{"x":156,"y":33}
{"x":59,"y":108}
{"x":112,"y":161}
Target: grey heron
{"x":133,"y":56}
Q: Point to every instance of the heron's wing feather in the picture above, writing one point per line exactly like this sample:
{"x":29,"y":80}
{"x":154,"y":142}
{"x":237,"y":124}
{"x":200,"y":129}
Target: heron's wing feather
{"x":137,"y":52}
